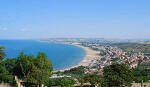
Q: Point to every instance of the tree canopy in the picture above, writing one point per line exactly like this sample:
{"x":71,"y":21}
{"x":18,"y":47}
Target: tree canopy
{"x":142,"y":72}
{"x":4,"y":74}
{"x":117,"y":75}
{"x":24,"y":67}
{"x":62,"y":82}
{"x":93,"y":79}
{"x":2,"y":53}
{"x":10,"y":64}
{"x":33,"y":70}
{"x":43,"y":68}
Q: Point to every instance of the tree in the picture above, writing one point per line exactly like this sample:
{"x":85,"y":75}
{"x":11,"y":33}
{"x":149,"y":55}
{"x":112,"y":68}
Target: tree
{"x":42,"y":69}
{"x":2,"y":53}
{"x":142,"y":72}
{"x":81,"y":80}
{"x":67,"y":82}
{"x":93,"y":79}
{"x":62,"y":82}
{"x":33,"y":70}
{"x":4,"y":74}
{"x":76,"y":71}
{"x":10,"y":64}
{"x":24,"y":68}
{"x":117,"y":75}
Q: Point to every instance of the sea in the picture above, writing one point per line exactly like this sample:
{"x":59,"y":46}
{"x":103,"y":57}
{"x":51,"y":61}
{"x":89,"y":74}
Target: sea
{"x":61,"y":55}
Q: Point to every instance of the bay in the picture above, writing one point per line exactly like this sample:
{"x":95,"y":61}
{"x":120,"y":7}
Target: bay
{"x":61,"y":55}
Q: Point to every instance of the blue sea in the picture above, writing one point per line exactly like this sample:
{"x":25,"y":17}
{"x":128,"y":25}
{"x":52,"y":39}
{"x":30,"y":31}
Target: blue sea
{"x":61,"y":55}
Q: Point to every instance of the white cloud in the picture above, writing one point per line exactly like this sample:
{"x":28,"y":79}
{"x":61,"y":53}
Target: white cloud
{"x":23,"y":30}
{"x":3,"y":29}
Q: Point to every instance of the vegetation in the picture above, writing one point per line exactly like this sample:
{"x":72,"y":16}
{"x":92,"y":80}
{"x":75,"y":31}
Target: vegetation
{"x":115,"y":59}
{"x":30,"y":69}
{"x":102,"y":53}
{"x":62,"y":82}
{"x":33,"y":70}
{"x":117,"y":75}
{"x":5,"y":75}
{"x":142,"y":72}
{"x":36,"y":70}
{"x":75,"y":71}
{"x":135,"y":47}
{"x":2,"y":53}
{"x":10,"y":64}
{"x":94,"y":79}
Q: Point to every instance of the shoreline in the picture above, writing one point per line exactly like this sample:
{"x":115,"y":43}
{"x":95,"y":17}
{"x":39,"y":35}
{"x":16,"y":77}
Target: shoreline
{"x":89,"y":56}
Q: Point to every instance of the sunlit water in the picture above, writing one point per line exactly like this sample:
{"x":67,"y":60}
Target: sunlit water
{"x":61,"y":55}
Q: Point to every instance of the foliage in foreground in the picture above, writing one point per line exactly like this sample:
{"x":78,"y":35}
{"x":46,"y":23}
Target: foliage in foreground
{"x":94,"y":79}
{"x":2,"y":53}
{"x":30,"y":69}
{"x":114,"y":75}
{"x":142,"y":72}
{"x":62,"y":82}
{"x":33,"y":70}
{"x":117,"y":75}
{"x":5,"y":76}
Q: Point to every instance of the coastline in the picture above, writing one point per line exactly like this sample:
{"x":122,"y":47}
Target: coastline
{"x":90,"y":55}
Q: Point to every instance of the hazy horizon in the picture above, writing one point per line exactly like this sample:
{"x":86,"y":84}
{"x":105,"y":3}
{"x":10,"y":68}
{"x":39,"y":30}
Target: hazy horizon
{"x":36,"y":19}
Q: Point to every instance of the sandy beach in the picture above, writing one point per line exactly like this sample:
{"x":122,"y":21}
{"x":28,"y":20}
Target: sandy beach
{"x":90,"y":55}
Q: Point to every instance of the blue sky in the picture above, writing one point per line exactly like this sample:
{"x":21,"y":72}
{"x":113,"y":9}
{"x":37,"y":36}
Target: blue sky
{"x":33,"y":19}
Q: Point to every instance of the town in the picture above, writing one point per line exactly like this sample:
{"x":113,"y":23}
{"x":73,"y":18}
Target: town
{"x":108,"y":53}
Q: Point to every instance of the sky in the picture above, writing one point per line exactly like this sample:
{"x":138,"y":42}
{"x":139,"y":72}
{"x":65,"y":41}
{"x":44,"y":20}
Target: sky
{"x":36,"y":19}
